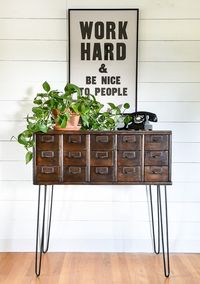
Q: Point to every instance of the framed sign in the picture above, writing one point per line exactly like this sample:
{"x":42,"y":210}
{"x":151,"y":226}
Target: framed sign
{"x":103,"y":54}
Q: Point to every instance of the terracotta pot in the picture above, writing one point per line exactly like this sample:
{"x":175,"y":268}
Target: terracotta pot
{"x":72,"y":123}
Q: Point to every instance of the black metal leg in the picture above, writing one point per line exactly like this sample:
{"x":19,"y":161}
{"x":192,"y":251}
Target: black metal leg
{"x":161,"y":223}
{"x":40,"y":237}
{"x":49,"y":221}
{"x":156,"y":250}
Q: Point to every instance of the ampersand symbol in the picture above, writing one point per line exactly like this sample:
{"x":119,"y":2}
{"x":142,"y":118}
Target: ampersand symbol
{"x":103,"y":68}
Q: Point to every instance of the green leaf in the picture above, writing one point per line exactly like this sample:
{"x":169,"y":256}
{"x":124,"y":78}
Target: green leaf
{"x":117,"y":111}
{"x":71,"y":88}
{"x":106,"y":114}
{"x":42,"y":95}
{"x":28,"y":157}
{"x":75,"y":108}
{"x":83,"y":108}
{"x":48,"y":103}
{"x":64,"y":122}
{"x":110,"y":120}
{"x":37,"y":110}
{"x":62,"y":108}
{"x":43,"y":128}
{"x":127,"y":119}
{"x":24,"y":137}
{"x":85,"y":120}
{"x":126,"y":105}
{"x":21,"y":138}
{"x":27,"y":133}
{"x":37,"y":102}
{"x":46,"y":86}
{"x":31,"y":127}
{"x":113,"y":106}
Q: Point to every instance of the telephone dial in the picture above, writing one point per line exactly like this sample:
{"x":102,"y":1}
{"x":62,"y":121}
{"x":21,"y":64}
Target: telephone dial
{"x":140,"y":121}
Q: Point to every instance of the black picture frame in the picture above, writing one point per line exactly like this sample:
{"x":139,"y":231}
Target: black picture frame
{"x":107,"y":39}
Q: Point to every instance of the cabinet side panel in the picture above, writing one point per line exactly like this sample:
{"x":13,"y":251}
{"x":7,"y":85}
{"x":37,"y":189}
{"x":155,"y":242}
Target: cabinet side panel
{"x":170,"y":157}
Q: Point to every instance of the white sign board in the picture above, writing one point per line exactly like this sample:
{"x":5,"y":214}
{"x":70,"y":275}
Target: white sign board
{"x":103,"y":54}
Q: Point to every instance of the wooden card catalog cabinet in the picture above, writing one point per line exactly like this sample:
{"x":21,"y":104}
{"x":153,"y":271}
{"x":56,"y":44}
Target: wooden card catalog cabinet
{"x":109,"y":157}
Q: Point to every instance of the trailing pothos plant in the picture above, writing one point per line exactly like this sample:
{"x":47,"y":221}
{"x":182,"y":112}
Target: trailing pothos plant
{"x":70,"y":100}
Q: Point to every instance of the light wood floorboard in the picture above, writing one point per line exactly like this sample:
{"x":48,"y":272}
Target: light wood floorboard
{"x":99,"y":268}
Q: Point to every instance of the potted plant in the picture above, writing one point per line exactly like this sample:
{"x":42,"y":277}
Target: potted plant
{"x":53,"y":109}
{"x":62,"y":105}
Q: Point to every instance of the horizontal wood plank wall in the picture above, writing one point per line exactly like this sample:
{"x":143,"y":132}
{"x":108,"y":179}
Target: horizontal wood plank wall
{"x":33,"y":48}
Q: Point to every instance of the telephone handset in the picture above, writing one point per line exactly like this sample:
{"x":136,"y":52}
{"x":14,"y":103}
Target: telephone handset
{"x":140,"y":121}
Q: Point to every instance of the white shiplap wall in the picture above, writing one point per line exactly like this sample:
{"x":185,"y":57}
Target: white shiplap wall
{"x":33,"y":48}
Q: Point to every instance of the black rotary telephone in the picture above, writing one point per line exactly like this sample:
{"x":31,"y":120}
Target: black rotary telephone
{"x":140,"y":121}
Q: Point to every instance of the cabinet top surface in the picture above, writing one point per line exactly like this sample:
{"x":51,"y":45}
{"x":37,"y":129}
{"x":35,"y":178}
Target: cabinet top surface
{"x":57,"y":132}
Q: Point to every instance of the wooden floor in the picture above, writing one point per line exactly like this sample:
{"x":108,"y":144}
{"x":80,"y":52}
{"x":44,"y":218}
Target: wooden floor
{"x":99,"y":268}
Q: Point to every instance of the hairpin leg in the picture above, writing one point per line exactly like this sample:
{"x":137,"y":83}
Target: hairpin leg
{"x":156,"y":250}
{"x":43,"y":217}
{"x":48,"y":223}
{"x":162,"y":214}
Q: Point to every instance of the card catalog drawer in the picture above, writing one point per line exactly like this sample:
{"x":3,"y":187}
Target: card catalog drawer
{"x":47,"y":142}
{"x":74,"y":158}
{"x":129,"y":174}
{"x":157,"y":158}
{"x":156,"y":173}
{"x":101,"y":142}
{"x":47,"y":158}
{"x":48,"y":174}
{"x":156,"y":142}
{"x":129,"y":142}
{"x":101,"y":158}
{"x":74,"y":174}
{"x":74,"y":142}
{"x":128,"y":158}
{"x":101,"y":174}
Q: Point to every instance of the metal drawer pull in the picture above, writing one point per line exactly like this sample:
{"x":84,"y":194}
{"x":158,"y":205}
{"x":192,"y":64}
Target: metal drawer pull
{"x":129,"y":155}
{"x":102,"y":139}
{"x":48,"y":170}
{"x":74,"y":170}
{"x":156,"y":155}
{"x":47,"y":154}
{"x":75,"y":155}
{"x":157,"y":139}
{"x":102,"y":155}
{"x":157,"y":171}
{"x":47,"y":138}
{"x":129,"y":170}
{"x":129,"y":139}
{"x":101,"y":170}
{"x":75,"y":140}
